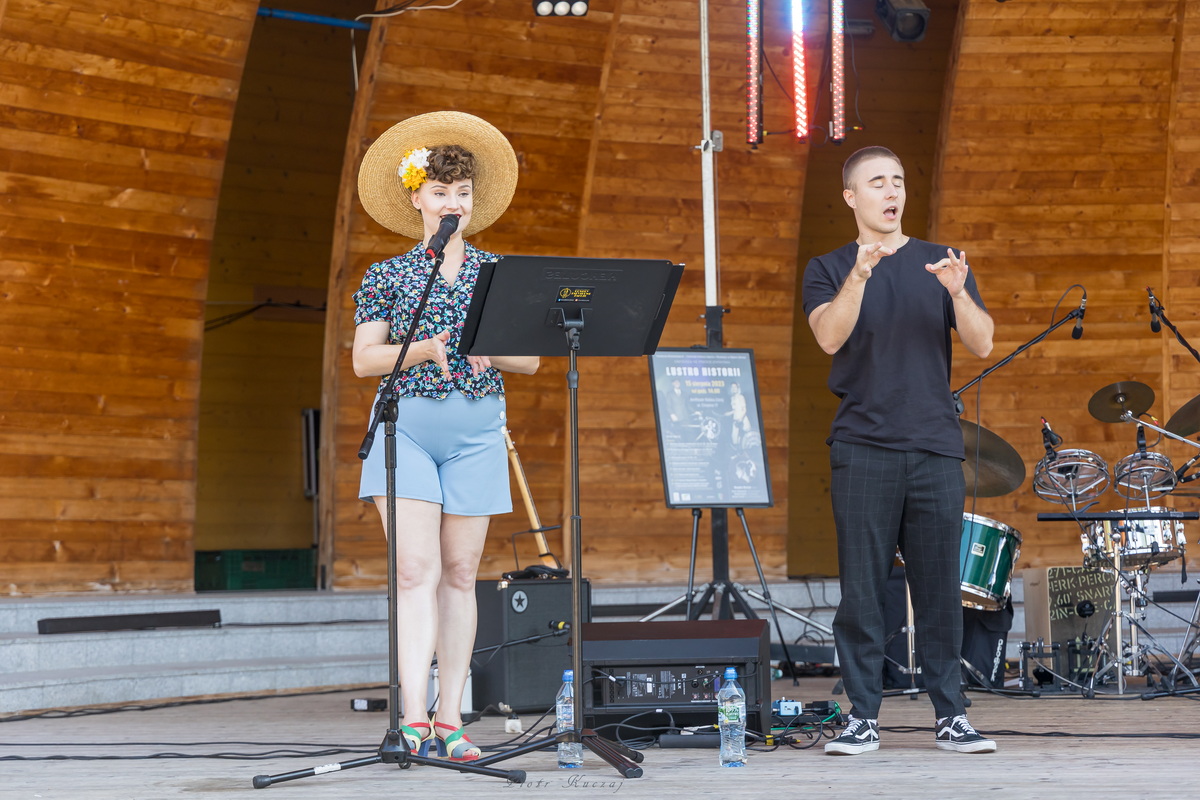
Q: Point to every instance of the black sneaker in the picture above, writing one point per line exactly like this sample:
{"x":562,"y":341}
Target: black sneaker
{"x":860,"y":736}
{"x":955,"y":733}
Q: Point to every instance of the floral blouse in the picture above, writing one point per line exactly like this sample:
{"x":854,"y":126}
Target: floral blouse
{"x":390,"y":293}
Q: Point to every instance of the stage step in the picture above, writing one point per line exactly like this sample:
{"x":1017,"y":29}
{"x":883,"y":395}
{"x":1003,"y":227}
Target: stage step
{"x":286,"y":640}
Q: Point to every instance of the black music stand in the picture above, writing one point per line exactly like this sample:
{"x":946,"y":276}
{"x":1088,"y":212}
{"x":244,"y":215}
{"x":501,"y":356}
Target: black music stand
{"x":523,"y":306}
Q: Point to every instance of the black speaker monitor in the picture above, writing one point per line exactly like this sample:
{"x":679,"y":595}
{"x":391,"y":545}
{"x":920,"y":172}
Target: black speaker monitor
{"x":526,"y":672}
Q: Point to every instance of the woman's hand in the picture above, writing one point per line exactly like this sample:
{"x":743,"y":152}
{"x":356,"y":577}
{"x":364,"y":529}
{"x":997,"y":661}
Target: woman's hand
{"x":436,"y":352}
{"x":479,"y":364}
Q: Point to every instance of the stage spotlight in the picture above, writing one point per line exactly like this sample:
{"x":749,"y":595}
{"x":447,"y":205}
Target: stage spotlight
{"x":905,"y":20}
{"x":560,"y":8}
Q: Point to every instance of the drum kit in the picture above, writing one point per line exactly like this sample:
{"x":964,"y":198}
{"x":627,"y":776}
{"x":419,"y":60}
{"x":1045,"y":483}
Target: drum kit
{"x":1126,"y":542}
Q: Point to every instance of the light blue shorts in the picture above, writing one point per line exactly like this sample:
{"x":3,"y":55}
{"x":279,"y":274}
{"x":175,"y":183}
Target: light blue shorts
{"x":450,"y":452}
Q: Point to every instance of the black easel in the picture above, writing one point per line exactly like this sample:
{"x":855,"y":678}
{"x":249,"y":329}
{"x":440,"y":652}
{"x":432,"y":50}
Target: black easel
{"x":523,"y":306}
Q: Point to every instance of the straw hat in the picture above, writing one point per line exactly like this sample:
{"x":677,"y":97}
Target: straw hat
{"x":384,"y":195}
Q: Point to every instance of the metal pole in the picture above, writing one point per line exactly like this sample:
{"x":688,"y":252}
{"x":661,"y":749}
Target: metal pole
{"x":709,"y":146}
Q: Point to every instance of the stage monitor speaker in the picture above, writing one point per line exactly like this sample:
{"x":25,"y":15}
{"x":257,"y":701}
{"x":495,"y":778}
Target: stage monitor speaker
{"x":661,"y":671}
{"x":1064,"y":604}
{"x":526,"y":672}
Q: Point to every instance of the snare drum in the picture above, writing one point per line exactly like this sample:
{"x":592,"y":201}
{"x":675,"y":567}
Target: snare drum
{"x":987,"y":554}
{"x":1143,"y":542}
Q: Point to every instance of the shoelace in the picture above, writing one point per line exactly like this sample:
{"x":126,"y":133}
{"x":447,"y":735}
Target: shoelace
{"x":962,"y":725}
{"x":856,"y":725}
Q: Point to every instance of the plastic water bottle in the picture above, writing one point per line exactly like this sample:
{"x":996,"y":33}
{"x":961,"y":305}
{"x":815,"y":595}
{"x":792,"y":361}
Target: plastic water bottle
{"x":570,"y":754}
{"x":731,"y":718}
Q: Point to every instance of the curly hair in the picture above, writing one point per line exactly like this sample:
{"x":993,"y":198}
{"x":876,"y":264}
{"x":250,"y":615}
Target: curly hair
{"x":451,"y":163}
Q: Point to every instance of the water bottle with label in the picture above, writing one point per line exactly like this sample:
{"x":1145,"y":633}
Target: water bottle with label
{"x":570,"y":754}
{"x":731,"y":718}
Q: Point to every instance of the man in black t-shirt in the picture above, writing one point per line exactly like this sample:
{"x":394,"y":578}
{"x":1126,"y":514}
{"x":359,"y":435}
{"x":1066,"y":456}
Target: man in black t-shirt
{"x":883,"y":307}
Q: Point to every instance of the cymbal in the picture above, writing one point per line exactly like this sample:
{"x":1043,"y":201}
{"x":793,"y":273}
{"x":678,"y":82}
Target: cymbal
{"x":999,"y":467}
{"x":1110,"y":403}
{"x":1186,"y":420}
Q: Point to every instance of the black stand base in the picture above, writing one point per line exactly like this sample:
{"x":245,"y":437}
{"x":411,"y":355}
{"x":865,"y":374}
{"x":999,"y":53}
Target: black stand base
{"x":621,"y":758}
{"x":393,"y":750}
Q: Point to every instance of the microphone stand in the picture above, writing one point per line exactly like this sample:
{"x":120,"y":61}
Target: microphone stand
{"x":957,"y":394}
{"x":1157,"y":308}
{"x":394,"y":748}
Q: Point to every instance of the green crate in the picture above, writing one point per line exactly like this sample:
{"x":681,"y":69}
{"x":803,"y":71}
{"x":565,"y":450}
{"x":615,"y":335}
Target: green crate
{"x":241,"y":570}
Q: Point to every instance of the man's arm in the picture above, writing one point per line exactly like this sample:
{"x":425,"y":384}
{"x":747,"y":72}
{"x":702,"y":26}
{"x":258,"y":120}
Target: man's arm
{"x":975,"y":326}
{"x":833,"y":322}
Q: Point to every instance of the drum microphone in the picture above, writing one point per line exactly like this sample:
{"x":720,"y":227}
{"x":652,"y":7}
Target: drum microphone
{"x":1179,"y":472}
{"x":1141,"y":438}
{"x":1077,"y":331}
{"x":1155,"y":324}
{"x":446,"y":229}
{"x":1050,"y":439}
{"x":559,"y":625}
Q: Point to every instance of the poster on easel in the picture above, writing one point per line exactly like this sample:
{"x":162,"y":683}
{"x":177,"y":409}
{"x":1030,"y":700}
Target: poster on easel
{"x":710,"y":435}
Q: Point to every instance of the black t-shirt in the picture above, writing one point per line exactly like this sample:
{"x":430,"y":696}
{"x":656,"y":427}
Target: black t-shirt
{"x":893,"y":373}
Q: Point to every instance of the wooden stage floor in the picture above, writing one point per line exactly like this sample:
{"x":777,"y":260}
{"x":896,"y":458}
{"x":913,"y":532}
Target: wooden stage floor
{"x":1109,"y":746}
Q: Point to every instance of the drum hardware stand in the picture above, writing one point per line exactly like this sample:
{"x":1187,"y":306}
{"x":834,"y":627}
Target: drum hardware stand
{"x":1136,"y":663}
{"x":909,"y":630}
{"x":1129,"y":416}
{"x":1181,"y":668}
{"x":1193,"y":640}
{"x":1029,"y":653}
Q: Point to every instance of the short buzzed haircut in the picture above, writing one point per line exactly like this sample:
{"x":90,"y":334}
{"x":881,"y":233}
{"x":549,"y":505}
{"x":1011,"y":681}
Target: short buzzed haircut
{"x":859,"y":156}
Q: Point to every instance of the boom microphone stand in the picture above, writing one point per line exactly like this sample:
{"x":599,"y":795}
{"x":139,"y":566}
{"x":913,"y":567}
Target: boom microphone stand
{"x":1075,"y":313}
{"x":394,"y":748}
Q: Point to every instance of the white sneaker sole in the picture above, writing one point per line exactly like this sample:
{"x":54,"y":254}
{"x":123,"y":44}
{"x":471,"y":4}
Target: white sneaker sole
{"x":840,"y":749}
{"x":987,"y":746}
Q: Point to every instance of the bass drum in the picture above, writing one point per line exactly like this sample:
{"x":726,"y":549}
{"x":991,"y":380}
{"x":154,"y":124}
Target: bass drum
{"x":987,"y":555}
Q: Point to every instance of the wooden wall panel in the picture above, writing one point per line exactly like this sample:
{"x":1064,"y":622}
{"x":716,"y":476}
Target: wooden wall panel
{"x":604,"y":112}
{"x":113,"y":128}
{"x":1062,"y":148}
{"x":273,"y":235}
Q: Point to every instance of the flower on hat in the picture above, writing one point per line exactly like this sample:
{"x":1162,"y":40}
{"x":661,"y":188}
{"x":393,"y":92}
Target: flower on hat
{"x":412,"y":168}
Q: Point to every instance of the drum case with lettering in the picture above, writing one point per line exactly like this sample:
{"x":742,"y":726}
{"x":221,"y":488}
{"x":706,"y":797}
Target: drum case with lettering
{"x":1052,"y":599}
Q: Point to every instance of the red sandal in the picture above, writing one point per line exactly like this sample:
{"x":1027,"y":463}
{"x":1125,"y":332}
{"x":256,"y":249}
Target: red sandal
{"x":454,"y":744}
